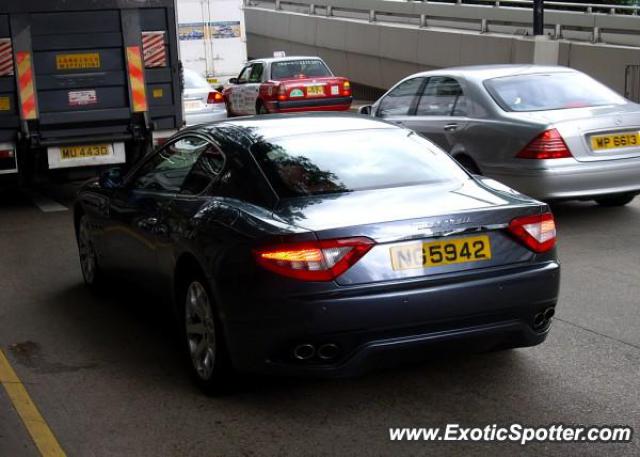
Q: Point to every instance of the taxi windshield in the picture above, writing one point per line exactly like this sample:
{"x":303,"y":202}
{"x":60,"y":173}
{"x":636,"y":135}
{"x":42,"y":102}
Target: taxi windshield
{"x":298,"y":69}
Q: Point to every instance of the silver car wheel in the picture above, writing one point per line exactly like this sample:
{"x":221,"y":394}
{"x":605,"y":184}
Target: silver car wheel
{"x":88,"y":258}
{"x":200,"y":330}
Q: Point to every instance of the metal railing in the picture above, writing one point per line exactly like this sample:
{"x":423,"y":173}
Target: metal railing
{"x":583,"y":21}
{"x":584,"y":7}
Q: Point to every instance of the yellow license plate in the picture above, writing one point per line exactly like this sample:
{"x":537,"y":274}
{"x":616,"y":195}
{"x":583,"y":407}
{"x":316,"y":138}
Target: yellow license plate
{"x":315,"y":90}
{"x":620,"y":140}
{"x":440,"y":253}
{"x":81,"y":152}
{"x":78,"y":61}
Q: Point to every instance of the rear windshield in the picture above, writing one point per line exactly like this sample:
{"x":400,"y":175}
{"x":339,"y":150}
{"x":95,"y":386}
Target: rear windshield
{"x":193,"y":80}
{"x":304,"y":68}
{"x":552,"y":91}
{"x":349,"y":161}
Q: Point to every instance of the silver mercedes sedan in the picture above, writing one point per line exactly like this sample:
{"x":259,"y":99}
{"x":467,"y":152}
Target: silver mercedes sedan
{"x":549,"y":132}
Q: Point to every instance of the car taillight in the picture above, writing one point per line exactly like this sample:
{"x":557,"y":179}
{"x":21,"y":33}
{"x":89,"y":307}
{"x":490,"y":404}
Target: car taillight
{"x":346,"y":89}
{"x":548,"y":145}
{"x":214,"y":98}
{"x":537,"y":232}
{"x":7,"y":154}
{"x":314,"y":260}
{"x":282,"y":92}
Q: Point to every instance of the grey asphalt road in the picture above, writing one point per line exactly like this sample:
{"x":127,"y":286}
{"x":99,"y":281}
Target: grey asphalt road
{"x":108,"y":379}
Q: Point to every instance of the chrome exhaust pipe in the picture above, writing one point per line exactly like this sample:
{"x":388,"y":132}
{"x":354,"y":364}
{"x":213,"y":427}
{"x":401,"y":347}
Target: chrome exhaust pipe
{"x":304,"y":351}
{"x":328,"y":351}
{"x":539,"y":320}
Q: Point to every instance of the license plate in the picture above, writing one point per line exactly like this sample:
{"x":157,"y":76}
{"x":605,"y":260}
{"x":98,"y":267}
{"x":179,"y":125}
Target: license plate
{"x":441,"y":253}
{"x":620,"y":140}
{"x":83,"y":152}
{"x":193,"y":105}
{"x":315,"y":90}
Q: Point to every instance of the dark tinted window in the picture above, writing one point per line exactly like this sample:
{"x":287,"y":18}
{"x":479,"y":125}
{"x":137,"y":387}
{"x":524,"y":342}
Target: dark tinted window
{"x":550,"y":92}
{"x":442,"y":96}
{"x":205,"y":170}
{"x":167,"y":170}
{"x":398,"y":102}
{"x":354,"y":160}
{"x":304,"y":68}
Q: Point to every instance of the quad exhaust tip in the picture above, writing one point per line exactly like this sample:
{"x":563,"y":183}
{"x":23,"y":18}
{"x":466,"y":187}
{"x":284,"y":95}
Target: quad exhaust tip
{"x":304,"y":351}
{"x":328,"y":351}
{"x":542,"y":319}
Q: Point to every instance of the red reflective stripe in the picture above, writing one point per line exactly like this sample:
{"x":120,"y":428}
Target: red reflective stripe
{"x":6,"y":57}
{"x":136,"y":79}
{"x":25,"y":79}
{"x":26,"y":87}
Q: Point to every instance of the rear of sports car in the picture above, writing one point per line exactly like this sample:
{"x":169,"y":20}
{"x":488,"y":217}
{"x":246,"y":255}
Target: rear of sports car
{"x":392,"y":259}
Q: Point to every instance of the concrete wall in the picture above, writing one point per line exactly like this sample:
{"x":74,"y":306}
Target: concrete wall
{"x":379,"y":54}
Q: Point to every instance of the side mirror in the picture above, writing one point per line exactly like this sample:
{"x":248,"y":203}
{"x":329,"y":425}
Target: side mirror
{"x":111,"y":178}
{"x":233,"y":80}
{"x":365,"y":110}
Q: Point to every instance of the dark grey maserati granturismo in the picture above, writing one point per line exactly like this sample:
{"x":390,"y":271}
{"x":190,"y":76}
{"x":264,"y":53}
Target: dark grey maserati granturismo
{"x":321,"y":244}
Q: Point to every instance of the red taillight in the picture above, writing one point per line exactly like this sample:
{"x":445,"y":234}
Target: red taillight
{"x":314,"y":260}
{"x":548,"y":145}
{"x":282,"y":92}
{"x":214,"y":98}
{"x":537,"y":232}
{"x":346,"y":89}
{"x":7,"y":154}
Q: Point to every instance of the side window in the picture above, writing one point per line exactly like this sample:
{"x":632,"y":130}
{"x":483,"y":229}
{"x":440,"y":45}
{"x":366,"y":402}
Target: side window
{"x":442,"y":96}
{"x":206,"y":169}
{"x":167,"y":170}
{"x":398,"y":102}
{"x":256,"y":73}
{"x":244,"y":75}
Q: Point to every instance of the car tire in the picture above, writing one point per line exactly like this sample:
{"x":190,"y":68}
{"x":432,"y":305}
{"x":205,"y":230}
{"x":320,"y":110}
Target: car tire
{"x":202,"y":335}
{"x":229,"y":111}
{"x":615,"y":200}
{"x":468,"y":164}
{"x":261,"y":109}
{"x":89,"y":262}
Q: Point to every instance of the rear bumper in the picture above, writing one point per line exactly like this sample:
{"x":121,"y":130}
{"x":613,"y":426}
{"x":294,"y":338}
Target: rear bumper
{"x":321,"y":104}
{"x":572,"y":180}
{"x":375,"y":327}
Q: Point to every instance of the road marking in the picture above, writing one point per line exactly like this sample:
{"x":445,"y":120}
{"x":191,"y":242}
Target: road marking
{"x":46,"y":204}
{"x":40,"y":432}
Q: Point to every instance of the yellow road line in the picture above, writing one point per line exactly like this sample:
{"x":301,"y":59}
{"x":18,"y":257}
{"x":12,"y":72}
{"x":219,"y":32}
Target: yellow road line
{"x":40,"y":432}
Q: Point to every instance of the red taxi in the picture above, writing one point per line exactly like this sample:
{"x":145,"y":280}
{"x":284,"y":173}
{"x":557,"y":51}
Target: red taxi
{"x":284,"y":85}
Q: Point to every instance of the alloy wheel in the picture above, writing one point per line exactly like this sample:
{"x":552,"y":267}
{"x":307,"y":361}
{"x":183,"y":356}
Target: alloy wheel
{"x":200,"y":330}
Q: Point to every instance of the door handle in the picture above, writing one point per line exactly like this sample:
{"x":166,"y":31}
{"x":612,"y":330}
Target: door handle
{"x":451,"y":127}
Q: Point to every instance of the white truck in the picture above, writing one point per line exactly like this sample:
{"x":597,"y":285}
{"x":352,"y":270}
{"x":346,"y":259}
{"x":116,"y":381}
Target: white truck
{"x":212,"y":38}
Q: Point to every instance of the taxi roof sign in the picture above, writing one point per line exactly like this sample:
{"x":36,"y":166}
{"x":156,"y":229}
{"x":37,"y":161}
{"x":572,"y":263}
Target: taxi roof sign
{"x":279,"y":54}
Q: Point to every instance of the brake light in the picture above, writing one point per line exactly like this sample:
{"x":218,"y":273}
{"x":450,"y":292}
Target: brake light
{"x":214,"y":98}
{"x":537,"y":232}
{"x":346,"y":89}
{"x":7,"y":154}
{"x":282,"y":92}
{"x":548,"y":145}
{"x":314,"y":260}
